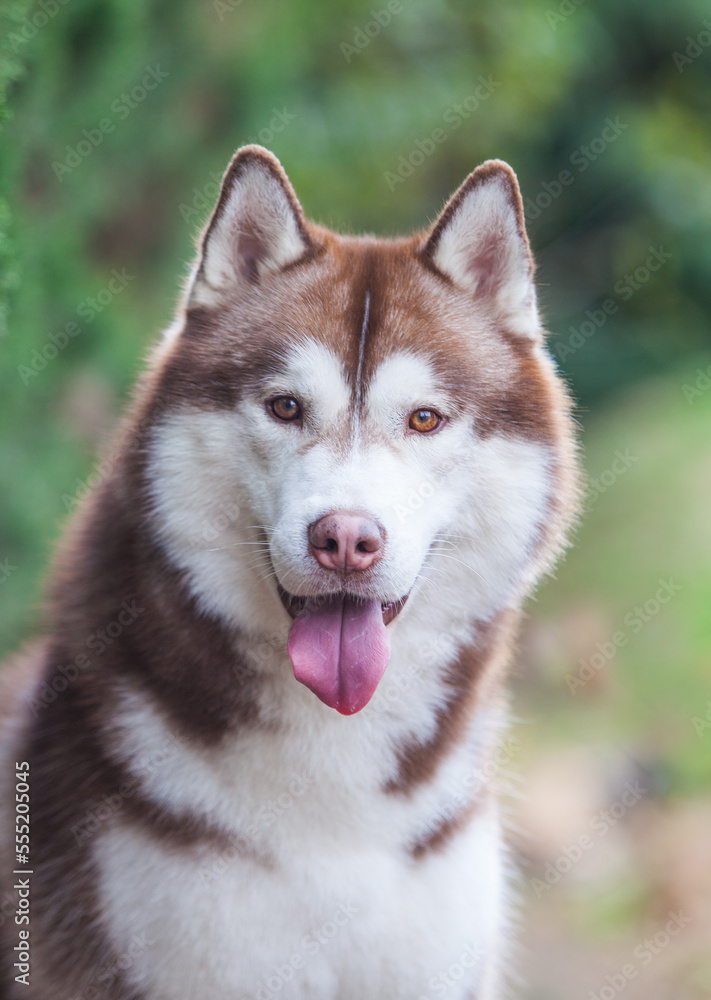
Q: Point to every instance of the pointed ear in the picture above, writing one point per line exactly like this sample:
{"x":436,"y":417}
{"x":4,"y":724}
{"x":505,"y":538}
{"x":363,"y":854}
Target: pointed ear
{"x":257,"y":227}
{"x":480,"y":243}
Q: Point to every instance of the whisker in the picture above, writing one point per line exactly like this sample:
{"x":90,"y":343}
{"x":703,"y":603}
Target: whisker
{"x":461,"y":562}
{"x":471,"y":569}
{"x":220,"y":548}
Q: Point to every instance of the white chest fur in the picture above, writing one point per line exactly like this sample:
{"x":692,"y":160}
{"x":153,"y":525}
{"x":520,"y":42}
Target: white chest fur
{"x":318,"y":896}
{"x":321,"y":924}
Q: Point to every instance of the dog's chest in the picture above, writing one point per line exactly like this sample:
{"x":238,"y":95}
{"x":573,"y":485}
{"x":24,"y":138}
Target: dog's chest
{"x":329,"y":922}
{"x":316,"y":895}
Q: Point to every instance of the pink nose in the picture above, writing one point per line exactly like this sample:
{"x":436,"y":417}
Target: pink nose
{"x":346,"y":542}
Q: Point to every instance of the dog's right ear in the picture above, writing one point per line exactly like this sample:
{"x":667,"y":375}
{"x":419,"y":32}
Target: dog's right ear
{"x":479,"y":243}
{"x":257,"y":227}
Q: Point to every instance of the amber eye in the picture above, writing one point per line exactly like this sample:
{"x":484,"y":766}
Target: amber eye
{"x":424,"y":421}
{"x":285,"y":408}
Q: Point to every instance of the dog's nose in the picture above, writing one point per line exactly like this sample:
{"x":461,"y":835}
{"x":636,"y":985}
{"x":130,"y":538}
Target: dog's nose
{"x":346,"y":542}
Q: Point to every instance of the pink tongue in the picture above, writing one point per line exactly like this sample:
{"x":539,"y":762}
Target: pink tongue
{"x":340,"y":649}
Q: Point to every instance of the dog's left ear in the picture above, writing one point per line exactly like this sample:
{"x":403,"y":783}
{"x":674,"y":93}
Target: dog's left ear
{"x":257,"y":227}
{"x":479,"y":242}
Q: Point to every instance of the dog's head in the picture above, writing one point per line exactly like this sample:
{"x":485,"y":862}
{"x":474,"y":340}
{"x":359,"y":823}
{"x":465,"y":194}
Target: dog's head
{"x":352,"y":423}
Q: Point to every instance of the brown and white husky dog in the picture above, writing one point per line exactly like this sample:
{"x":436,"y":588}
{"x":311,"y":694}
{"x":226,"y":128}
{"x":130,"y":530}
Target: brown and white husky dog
{"x":259,"y":733}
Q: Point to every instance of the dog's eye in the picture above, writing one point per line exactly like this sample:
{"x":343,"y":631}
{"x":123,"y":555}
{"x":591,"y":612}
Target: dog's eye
{"x":424,"y":421}
{"x":285,"y":408}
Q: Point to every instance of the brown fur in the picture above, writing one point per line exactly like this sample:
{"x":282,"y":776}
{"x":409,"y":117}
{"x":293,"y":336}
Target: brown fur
{"x":475,"y":675}
{"x":448,"y":828}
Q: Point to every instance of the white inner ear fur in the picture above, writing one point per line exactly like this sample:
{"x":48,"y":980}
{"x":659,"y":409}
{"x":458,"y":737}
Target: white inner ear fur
{"x":256,"y":232}
{"x":481,"y":249}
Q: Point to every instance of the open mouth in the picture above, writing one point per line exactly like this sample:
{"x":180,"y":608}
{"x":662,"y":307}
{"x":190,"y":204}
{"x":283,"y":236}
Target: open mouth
{"x":295,"y":605}
{"x":338,"y":645}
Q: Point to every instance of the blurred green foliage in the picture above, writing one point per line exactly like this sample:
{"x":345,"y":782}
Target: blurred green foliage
{"x":99,"y":174}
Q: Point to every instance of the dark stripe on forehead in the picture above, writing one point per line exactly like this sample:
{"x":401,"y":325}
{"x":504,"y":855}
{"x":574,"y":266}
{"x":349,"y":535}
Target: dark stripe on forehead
{"x":358,"y":265}
{"x":400,"y":315}
{"x":361,"y":351}
{"x":374,"y":271}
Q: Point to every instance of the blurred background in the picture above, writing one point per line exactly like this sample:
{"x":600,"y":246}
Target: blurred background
{"x":118,"y":117}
